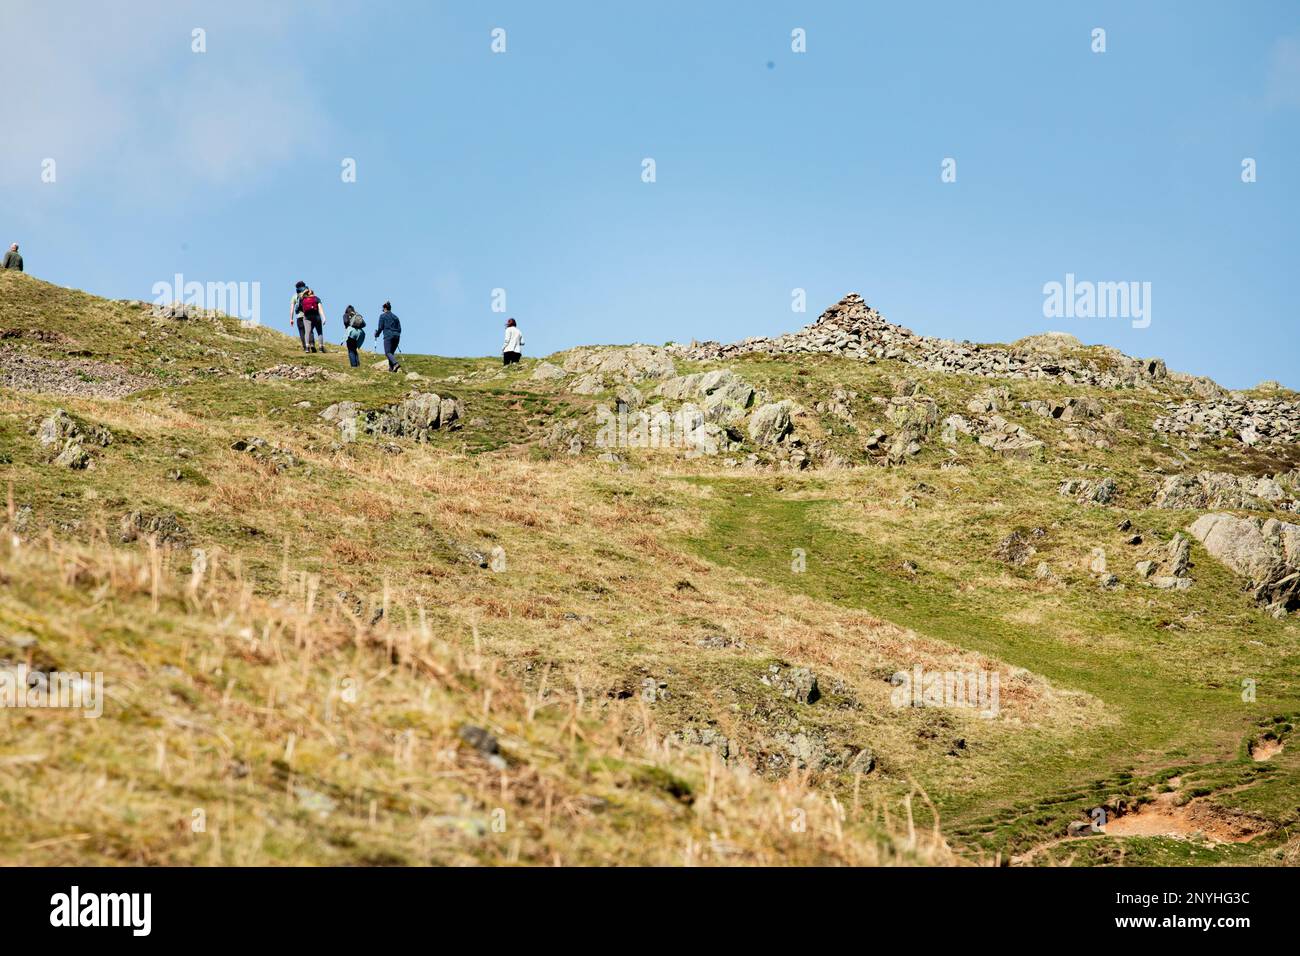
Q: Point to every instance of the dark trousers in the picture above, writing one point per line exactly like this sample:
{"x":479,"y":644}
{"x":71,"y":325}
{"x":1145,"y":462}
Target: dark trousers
{"x":353,"y":358}
{"x":509,"y":358}
{"x":309,"y":330}
{"x":391,"y":340}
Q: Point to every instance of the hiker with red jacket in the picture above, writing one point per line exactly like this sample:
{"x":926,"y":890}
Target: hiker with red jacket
{"x":308,"y":312}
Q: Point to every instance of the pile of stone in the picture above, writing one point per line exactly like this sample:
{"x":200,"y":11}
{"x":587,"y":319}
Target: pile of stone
{"x":292,"y":373}
{"x":66,"y":440}
{"x":1264,"y":552}
{"x":1216,"y":489}
{"x":1249,"y":421}
{"x":88,"y":378}
{"x":854,"y":329}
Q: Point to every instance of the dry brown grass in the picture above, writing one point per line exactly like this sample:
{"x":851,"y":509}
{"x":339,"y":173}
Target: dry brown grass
{"x":234,"y":705}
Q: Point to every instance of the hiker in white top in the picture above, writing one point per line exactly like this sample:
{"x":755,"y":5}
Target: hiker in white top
{"x":514,"y":344}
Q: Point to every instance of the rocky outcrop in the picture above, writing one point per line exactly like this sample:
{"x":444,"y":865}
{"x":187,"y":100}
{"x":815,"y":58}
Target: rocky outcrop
{"x":67,"y":440}
{"x":416,"y":417}
{"x":797,"y":683}
{"x":1216,"y":489}
{"x":164,"y":527}
{"x":854,"y":329}
{"x":721,"y":394}
{"x":770,"y":423}
{"x":599,"y":368}
{"x":1250,"y":421}
{"x":1008,"y":438}
{"x":547,"y":372}
{"x":1089,"y":492}
{"x":1265,"y":553}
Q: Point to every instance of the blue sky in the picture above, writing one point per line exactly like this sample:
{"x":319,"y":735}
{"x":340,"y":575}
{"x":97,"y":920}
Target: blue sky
{"x":775,"y":170}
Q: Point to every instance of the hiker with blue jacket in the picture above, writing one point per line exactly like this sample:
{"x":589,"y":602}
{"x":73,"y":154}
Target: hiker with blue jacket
{"x":390,"y":330}
{"x":354,"y":325}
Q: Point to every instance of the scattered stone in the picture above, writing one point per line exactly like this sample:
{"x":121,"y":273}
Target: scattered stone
{"x":165,"y":525}
{"x":1015,"y":548}
{"x":705,"y":737}
{"x":264,"y":451}
{"x":1248,"y":421}
{"x":68,"y":376}
{"x":290,"y":373}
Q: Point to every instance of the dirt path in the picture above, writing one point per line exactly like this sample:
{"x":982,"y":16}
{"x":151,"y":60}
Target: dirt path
{"x":1265,"y":749}
{"x":1164,"y":816}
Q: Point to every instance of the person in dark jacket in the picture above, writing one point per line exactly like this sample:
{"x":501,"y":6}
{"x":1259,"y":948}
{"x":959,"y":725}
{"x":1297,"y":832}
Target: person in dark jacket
{"x":12,"y":259}
{"x":313,"y":316}
{"x":390,"y":330}
{"x":295,"y":312}
{"x":354,"y":334}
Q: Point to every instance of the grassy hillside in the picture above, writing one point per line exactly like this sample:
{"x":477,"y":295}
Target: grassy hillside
{"x":481,"y":648}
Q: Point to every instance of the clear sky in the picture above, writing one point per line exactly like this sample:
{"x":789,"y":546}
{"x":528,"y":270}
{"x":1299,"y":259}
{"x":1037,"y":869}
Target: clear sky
{"x":774,"y":169}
